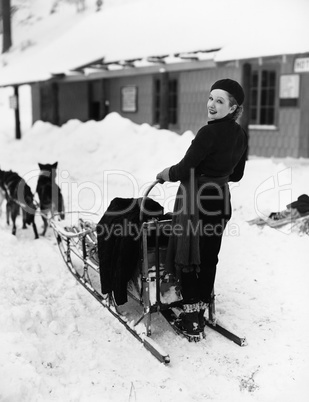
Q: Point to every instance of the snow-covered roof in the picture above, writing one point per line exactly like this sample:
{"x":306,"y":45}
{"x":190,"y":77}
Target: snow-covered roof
{"x":237,"y":29}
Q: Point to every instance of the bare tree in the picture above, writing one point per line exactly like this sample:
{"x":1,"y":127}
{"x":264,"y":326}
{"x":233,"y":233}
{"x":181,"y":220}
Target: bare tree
{"x":6,"y":20}
{"x":0,"y":17}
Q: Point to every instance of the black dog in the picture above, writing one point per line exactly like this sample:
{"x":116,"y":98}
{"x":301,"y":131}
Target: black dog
{"x":50,"y":196}
{"x":18,"y":196}
{"x":2,"y":198}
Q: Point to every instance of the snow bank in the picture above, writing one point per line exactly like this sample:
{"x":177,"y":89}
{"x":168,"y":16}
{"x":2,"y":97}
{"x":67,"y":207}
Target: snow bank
{"x":93,"y":152}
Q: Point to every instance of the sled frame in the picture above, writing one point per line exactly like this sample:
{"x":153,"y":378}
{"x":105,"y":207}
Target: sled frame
{"x":79,"y":241}
{"x":68,"y":243}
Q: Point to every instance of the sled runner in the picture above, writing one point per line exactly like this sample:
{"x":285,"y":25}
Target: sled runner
{"x":279,"y":222}
{"x":151,"y":287}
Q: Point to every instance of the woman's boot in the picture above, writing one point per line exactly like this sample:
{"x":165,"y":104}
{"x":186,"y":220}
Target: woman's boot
{"x":201,"y":314}
{"x":189,"y":322}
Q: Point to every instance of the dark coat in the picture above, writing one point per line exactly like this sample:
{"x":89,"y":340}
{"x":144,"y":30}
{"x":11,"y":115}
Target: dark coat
{"x":302,"y":204}
{"x":219,"y":149}
{"x":119,"y":243}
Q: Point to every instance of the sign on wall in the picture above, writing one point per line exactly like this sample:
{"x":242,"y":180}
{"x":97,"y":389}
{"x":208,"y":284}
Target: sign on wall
{"x":301,"y":65}
{"x":129,"y":99}
{"x":289,"y":89}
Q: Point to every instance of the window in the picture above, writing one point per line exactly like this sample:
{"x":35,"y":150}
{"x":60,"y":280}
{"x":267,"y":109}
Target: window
{"x":263,"y":97}
{"x":172,"y":101}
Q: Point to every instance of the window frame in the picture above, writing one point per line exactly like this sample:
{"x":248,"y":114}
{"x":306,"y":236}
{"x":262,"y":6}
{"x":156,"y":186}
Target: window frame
{"x":172,"y":108}
{"x":259,"y":71}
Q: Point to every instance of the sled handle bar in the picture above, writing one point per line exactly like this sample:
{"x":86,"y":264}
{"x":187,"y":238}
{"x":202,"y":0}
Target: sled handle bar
{"x":145,"y":196}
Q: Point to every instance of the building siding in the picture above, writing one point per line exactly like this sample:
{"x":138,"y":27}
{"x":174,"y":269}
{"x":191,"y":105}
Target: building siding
{"x":36,"y":102}
{"x":73,"y":102}
{"x":144,"y":84}
{"x":277,"y":142}
{"x":304,"y":112}
{"x":288,"y":137}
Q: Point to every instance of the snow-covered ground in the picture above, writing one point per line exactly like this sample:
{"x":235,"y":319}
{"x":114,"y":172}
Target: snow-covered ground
{"x":58,"y":343}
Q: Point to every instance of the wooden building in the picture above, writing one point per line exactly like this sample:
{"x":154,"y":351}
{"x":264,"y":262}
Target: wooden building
{"x":173,"y":95}
{"x":161,"y":73}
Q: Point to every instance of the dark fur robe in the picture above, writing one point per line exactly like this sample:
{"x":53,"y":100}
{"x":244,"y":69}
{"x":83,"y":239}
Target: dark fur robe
{"x":119,"y":243}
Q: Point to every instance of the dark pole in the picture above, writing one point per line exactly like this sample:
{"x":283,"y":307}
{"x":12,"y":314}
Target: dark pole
{"x":6,"y":19}
{"x":55,"y":103}
{"x":163,"y":100}
{"x":17,"y":119}
{"x":246,"y":76}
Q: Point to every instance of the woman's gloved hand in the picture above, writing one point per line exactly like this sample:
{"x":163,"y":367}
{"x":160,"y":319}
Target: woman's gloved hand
{"x":164,"y":175}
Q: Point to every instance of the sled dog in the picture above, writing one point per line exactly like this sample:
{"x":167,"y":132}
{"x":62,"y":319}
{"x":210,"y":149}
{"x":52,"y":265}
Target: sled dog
{"x":50,"y":196}
{"x":2,"y":198}
{"x":18,"y":196}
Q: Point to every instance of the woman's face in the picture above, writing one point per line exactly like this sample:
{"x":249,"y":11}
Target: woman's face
{"x":218,"y":105}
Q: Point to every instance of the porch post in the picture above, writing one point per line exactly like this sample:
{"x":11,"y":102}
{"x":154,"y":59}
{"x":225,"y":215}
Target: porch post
{"x":245,"y":118}
{"x":17,"y":119}
{"x":163,"y":121}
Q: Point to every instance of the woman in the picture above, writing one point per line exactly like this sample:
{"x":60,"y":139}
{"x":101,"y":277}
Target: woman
{"x":216,"y":156}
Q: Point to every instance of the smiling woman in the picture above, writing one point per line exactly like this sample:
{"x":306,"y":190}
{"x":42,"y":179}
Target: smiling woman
{"x":219,"y":105}
{"x":226,"y":97}
{"x":216,"y":156}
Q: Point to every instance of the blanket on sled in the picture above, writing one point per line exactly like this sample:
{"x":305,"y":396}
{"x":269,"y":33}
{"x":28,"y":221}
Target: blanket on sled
{"x":119,"y":232}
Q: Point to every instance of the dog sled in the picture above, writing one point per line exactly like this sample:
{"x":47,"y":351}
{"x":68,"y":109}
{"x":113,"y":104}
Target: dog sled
{"x":151,"y":289}
{"x":289,"y":220}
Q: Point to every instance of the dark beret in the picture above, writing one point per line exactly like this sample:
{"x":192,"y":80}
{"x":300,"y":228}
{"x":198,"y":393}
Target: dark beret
{"x":232,"y":87}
